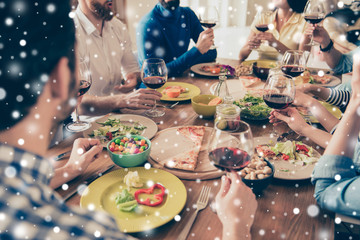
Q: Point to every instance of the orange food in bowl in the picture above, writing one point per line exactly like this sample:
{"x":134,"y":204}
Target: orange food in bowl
{"x":215,"y":101}
{"x":173,"y":93}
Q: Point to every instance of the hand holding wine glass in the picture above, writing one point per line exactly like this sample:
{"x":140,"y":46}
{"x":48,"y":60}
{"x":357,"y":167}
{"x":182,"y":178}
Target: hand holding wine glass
{"x":154,"y":75}
{"x":293,"y":63}
{"x":314,"y":13}
{"x":85,"y":83}
{"x":279,"y":91}
{"x":208,"y":17}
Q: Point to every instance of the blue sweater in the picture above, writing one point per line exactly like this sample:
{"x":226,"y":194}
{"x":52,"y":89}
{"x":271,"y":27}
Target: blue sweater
{"x":166,"y":34}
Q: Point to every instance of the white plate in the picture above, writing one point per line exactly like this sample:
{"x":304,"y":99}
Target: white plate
{"x":295,"y":172}
{"x":197,"y":69}
{"x":149,"y":132}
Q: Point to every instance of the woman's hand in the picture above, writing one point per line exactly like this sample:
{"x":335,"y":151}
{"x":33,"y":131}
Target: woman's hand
{"x":253,"y":42}
{"x":266,"y":36}
{"x":291,"y":116}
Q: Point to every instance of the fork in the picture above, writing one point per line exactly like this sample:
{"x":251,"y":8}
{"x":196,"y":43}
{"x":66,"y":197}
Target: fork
{"x":200,"y":205}
{"x":171,"y":106}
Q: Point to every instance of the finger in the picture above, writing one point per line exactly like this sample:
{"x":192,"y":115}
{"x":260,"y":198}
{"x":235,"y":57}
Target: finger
{"x":281,"y":117}
{"x":225,"y":186}
{"x":356,"y":68}
{"x":92,"y":152}
{"x":236,"y":181}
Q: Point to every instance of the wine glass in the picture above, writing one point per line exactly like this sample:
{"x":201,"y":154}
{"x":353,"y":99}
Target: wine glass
{"x":230,"y":148}
{"x":314,"y":13}
{"x":293,"y":63}
{"x":208,"y":17}
{"x":84,"y":74}
{"x":154,"y":75}
{"x":279,"y":93}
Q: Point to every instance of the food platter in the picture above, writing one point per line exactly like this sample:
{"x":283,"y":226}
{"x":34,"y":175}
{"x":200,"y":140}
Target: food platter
{"x":167,"y":144}
{"x":198,"y":69}
{"x":192,"y":91}
{"x":127,"y":119}
{"x":287,"y":170}
{"x":100,"y":195}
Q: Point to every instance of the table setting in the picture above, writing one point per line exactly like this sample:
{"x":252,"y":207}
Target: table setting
{"x":185,"y":132}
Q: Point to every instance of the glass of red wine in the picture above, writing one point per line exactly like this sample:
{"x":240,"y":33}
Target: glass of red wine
{"x":314,"y":13}
{"x":230,"y":149}
{"x":293,"y":63}
{"x":154,"y":75}
{"x":208,"y":17}
{"x":84,"y":74}
{"x":279,"y":93}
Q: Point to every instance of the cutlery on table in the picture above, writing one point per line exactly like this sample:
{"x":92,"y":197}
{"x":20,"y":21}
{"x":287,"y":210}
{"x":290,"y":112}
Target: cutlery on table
{"x":200,"y":205}
{"x":86,"y":183}
{"x":62,"y":156}
{"x":171,"y":106}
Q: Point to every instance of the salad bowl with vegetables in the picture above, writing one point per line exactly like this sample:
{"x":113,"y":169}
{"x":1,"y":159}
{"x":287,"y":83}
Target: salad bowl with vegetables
{"x":253,"y":108}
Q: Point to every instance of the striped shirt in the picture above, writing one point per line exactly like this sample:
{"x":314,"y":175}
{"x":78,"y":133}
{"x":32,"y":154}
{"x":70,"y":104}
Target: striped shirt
{"x":30,"y":209}
{"x":339,"y":98}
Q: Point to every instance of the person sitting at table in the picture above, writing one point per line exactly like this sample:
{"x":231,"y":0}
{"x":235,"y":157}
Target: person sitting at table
{"x":31,"y":104}
{"x":335,"y":177}
{"x":104,"y":40}
{"x":285,"y":32}
{"x":166,"y":32}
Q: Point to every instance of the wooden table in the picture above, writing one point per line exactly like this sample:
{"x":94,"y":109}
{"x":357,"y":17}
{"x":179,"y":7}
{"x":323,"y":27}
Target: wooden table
{"x":276,"y":217}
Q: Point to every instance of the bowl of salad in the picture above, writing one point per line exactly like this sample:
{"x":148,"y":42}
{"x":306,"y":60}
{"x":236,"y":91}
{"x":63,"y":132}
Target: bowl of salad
{"x":253,"y":108}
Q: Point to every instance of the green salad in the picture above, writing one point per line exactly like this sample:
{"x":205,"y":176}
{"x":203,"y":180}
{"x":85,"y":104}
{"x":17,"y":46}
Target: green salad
{"x":253,"y":108}
{"x":113,"y":127}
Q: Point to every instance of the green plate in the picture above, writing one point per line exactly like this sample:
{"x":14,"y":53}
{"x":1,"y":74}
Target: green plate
{"x":335,"y":111}
{"x":100,"y":195}
{"x":261,"y":63}
{"x":192,"y":91}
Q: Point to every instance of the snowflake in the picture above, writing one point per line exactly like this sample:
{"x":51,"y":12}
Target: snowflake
{"x":313,"y":210}
{"x":9,"y":22}
{"x":177,"y":218}
{"x":2,"y":93}
{"x":296,"y":211}
{"x":10,"y":172}
{"x":15,"y":114}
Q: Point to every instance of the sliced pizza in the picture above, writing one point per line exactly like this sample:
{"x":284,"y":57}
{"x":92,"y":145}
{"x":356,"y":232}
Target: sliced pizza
{"x":184,"y":161}
{"x":248,"y":81}
{"x":194,"y":133}
{"x":321,"y":79}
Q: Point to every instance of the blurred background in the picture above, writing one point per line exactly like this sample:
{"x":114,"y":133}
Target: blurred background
{"x":230,"y":33}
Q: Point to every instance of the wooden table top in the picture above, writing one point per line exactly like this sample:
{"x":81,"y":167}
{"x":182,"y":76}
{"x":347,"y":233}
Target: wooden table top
{"x":276,"y":217}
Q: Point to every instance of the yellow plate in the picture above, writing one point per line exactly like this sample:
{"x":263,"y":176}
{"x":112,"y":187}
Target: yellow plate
{"x":262,"y":63}
{"x":192,"y":91}
{"x":335,"y":111}
{"x":101,"y":195}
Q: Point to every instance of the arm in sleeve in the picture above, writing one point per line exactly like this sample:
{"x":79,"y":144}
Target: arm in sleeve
{"x":341,"y":194}
{"x":345,"y":64}
{"x":339,"y":98}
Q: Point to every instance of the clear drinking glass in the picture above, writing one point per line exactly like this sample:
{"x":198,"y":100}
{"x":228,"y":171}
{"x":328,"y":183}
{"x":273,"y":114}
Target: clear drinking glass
{"x":154,"y":75}
{"x":293,"y":63}
{"x":314,"y":13}
{"x":208,"y":17}
{"x":85,"y":83}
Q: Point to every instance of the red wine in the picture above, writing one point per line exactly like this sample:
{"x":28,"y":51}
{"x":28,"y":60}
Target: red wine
{"x":228,"y":158}
{"x":208,"y":24}
{"x":278,"y":100}
{"x":293,"y":71}
{"x":84,"y":87}
{"x":262,"y":27}
{"x":154,"y":82}
{"x":313,"y":19}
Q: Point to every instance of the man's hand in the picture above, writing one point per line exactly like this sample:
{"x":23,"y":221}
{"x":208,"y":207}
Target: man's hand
{"x":129,"y":84}
{"x":139,"y":99}
{"x":205,"y":40}
{"x":235,"y":206}
{"x":84,"y":151}
{"x":320,"y":35}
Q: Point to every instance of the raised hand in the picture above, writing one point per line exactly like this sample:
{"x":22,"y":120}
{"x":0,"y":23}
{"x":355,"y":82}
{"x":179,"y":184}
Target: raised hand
{"x":205,"y":40}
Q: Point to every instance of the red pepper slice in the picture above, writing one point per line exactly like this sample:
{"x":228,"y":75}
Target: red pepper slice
{"x":285,"y":157}
{"x":159,"y":196}
{"x":300,"y":147}
{"x":109,"y":135}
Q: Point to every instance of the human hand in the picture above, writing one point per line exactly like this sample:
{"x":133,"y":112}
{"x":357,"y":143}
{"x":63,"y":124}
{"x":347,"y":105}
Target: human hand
{"x":84,"y":151}
{"x":302,"y":99}
{"x":235,"y":206}
{"x":205,"y":40}
{"x":292,"y":118}
{"x":129,"y":84}
{"x":266,"y":36}
{"x":355,"y":83}
{"x":320,"y":35}
{"x":253,"y":42}
{"x":139,"y":99}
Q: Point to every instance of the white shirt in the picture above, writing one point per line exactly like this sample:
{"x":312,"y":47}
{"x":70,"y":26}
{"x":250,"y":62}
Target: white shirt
{"x":111,"y":57}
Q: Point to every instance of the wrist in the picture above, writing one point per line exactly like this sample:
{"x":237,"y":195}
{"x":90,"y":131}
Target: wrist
{"x":327,"y":45}
{"x":236,"y":232}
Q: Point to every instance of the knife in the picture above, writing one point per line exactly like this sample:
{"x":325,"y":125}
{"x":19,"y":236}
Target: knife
{"x":80,"y":189}
{"x":62,"y":155}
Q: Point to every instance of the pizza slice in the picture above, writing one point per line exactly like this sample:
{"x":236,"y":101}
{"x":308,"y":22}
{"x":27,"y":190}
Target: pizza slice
{"x":321,"y":79}
{"x":248,"y":81}
{"x":185,"y":161}
{"x":194,"y":133}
